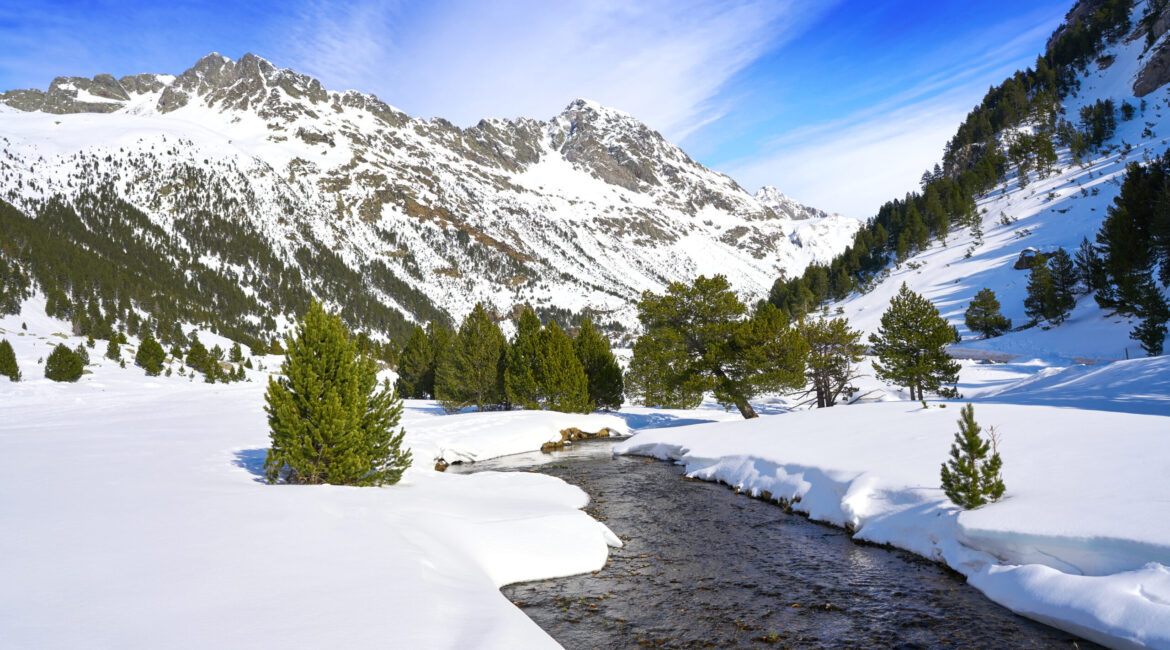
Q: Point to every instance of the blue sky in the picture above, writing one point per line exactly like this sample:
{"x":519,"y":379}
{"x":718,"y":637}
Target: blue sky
{"x":840,"y":104}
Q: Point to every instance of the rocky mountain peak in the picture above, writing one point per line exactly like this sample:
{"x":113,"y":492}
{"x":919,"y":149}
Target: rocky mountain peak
{"x":787,"y":207}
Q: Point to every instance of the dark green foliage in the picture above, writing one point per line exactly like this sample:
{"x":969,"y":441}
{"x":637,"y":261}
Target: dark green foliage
{"x":1098,"y":122}
{"x":82,"y":354}
{"x":657,"y":374}
{"x":519,"y":378}
{"x":1051,"y":288}
{"x":717,"y":346}
{"x":416,"y":367}
{"x":97,"y":246}
{"x":330,"y":421}
{"x":601,"y":368}
{"x":63,"y":364}
{"x":1064,"y":281}
{"x":560,"y":378}
{"x":1090,"y":268}
{"x":471,"y":371}
{"x":983,"y":315}
{"x":8,"y":367}
{"x":1151,"y":328}
{"x":150,"y":356}
{"x":198,"y":358}
{"x":911,"y":345}
{"x":113,"y":350}
{"x":236,"y":354}
{"x":14,"y":285}
{"x":834,"y":350}
{"x":971,"y":478}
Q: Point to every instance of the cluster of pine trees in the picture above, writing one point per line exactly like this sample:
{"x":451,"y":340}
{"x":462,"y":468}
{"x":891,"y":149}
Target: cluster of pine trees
{"x":542,"y":367}
{"x":102,"y":264}
{"x":1131,"y":255}
{"x":974,"y":161}
{"x":701,"y":338}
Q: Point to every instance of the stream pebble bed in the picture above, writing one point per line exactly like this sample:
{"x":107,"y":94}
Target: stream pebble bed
{"x":704,"y":567}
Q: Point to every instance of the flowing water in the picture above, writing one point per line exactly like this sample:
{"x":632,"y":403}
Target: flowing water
{"x":705,"y":567}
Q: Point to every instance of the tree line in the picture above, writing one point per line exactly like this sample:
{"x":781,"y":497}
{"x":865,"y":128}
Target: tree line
{"x":700,"y":337}
{"x":541,"y":367}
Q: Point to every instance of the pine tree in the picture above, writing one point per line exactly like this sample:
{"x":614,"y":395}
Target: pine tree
{"x":197,"y":356}
{"x":63,"y":364}
{"x":416,"y":367}
{"x":601,"y":367}
{"x":150,"y":356}
{"x":82,"y":354}
{"x":1064,"y":280}
{"x":983,"y":315}
{"x":113,"y":350}
{"x":519,"y":379}
{"x":329,"y":421}
{"x":560,"y":378}
{"x":971,"y":478}
{"x":1040,"y":301}
{"x":657,"y":374}
{"x":1154,"y":314}
{"x":470,"y":372}
{"x":236,"y":355}
{"x":723,"y":350}
{"x":834,"y":352}
{"x":911,"y":345}
{"x":8,"y":367}
{"x":1090,"y":268}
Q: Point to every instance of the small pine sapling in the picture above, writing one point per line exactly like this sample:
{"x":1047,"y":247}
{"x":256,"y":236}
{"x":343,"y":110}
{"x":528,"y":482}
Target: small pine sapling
{"x":971,"y":478}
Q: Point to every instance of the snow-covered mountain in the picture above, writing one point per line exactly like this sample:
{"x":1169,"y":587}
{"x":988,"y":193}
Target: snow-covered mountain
{"x":1048,"y":211}
{"x":582,"y":211}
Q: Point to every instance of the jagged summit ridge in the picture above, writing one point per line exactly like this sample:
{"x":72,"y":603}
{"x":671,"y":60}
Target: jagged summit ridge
{"x":584,"y":210}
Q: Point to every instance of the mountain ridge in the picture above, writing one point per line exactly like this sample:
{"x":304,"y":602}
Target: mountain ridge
{"x":580,"y":212}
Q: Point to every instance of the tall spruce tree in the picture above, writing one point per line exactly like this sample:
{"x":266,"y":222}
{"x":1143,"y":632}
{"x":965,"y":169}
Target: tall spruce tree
{"x":983,"y":315}
{"x":560,"y":378}
{"x":519,"y":380}
{"x":601,"y":367}
{"x":1040,"y":302}
{"x":721,"y":349}
{"x":330,"y":421}
{"x":470,"y":372}
{"x":834,"y":352}
{"x":1064,"y":280}
{"x":150,"y":356}
{"x":1090,"y":268}
{"x":1151,"y":328}
{"x":63,"y":364}
{"x":416,"y":367}
{"x":8,"y":367}
{"x":911,"y":345}
{"x":971,"y":478}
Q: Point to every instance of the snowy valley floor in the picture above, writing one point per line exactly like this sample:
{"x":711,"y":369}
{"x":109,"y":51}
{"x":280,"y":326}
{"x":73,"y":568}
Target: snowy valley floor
{"x":134,"y":514}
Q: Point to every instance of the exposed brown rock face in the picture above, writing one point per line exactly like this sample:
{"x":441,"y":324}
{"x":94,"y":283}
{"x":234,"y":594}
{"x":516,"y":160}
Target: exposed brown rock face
{"x":1155,"y":73}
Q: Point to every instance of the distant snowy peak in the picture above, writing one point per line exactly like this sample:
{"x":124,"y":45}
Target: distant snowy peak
{"x":584,"y":210}
{"x":786,"y":207}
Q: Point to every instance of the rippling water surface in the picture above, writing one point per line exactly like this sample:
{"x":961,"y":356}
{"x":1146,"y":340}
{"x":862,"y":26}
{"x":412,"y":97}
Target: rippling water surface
{"x":704,"y":567}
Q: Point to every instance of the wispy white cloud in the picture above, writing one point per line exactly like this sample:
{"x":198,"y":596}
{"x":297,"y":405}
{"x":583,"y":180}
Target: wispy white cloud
{"x":665,"y":61}
{"x":853,"y":164}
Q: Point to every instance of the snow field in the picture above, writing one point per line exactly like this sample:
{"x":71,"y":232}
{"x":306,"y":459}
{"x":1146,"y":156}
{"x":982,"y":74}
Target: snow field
{"x":134,"y":515}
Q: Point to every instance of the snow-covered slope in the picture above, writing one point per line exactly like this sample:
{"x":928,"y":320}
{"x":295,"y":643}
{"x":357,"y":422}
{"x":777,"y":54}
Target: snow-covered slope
{"x":1057,"y":211}
{"x":585,"y":210}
